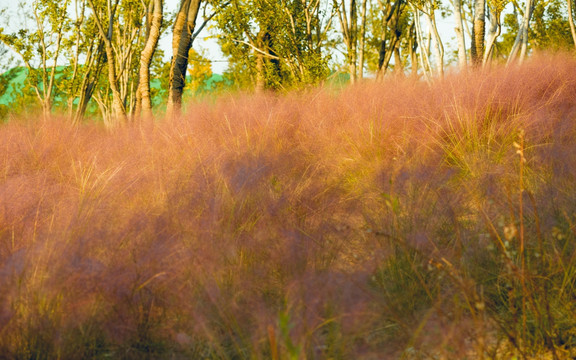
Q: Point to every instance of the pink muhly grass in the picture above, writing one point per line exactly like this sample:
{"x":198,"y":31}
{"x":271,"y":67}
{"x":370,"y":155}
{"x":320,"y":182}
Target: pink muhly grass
{"x":365,"y":223}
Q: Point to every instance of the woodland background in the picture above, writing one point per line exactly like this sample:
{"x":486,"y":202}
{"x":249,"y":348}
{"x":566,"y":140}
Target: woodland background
{"x":101,"y":58}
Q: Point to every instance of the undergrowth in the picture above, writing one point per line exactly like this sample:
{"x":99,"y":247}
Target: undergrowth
{"x":392,"y":220}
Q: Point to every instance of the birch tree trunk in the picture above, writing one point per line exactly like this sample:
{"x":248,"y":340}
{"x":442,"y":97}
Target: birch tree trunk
{"x":493,"y":33}
{"x":181,"y":43}
{"x":438,"y":47}
{"x":143,"y":102}
{"x":525,"y":28}
{"x":459,"y":29}
{"x":424,"y":47}
{"x":521,"y":41}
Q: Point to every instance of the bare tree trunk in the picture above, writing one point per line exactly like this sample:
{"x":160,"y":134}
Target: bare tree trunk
{"x":260,"y":83}
{"x":571,"y":21}
{"x":353,"y":56}
{"x":90,"y":79}
{"x":478,"y":32}
{"x":362,"y":40}
{"x":386,"y":53}
{"x":349,"y":24}
{"x":438,"y":48}
{"x":521,"y":41}
{"x":117,"y":103}
{"x":495,"y":30}
{"x":45,"y":92}
{"x":127,"y":39}
{"x":424,"y":49}
{"x":143,"y":102}
{"x":389,"y":40}
{"x":89,"y":72}
{"x":525,"y":28}
{"x":459,"y":29}
{"x":413,"y":46}
{"x":181,"y":43}
{"x":49,"y":87}
{"x":398,"y":65}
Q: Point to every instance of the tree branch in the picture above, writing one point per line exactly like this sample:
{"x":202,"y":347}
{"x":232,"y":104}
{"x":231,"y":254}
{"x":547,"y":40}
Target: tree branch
{"x":258,"y":50}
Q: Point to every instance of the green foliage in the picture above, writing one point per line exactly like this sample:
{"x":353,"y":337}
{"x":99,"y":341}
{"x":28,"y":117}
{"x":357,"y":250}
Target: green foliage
{"x":271,"y":43}
{"x":550,"y":29}
{"x":16,"y":95}
{"x":199,"y":71}
{"x":511,"y":27}
{"x":379,"y":29}
{"x":497,"y":6}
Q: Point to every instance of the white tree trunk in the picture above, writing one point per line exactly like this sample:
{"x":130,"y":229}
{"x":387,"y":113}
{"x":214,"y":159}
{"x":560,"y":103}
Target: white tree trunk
{"x":435,"y":36}
{"x":424,"y":48}
{"x":459,"y":29}
{"x":493,"y":33}
{"x":521,"y":41}
{"x":525,"y":27}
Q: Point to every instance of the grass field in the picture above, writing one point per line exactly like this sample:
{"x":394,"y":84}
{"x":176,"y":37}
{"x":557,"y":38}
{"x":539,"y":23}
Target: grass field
{"x":380,"y":221}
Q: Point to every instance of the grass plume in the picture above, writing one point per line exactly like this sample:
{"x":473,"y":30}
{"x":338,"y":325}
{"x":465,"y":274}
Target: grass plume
{"x":394,"y":220}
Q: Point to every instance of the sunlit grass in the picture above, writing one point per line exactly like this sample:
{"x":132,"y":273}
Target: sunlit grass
{"x":393,"y":220}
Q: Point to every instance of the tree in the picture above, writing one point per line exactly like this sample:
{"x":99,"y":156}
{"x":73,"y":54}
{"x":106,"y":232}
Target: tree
{"x":550,"y":28}
{"x":200,"y":71}
{"x":124,"y":39}
{"x":495,"y":8}
{"x":153,"y":25}
{"x":183,"y":32}
{"x":7,"y":75}
{"x":248,"y":39}
{"x":79,"y":80}
{"x":106,"y":33}
{"x":459,"y":30}
{"x":309,"y":25}
{"x":428,"y":8}
{"x":571,"y":20}
{"x":393,"y":25}
{"x":40,"y":46}
{"x":520,"y":46}
{"x":353,"y":28}
{"x":478,"y":32}
{"x":277,"y":44}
